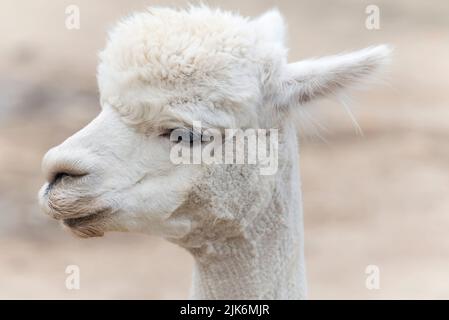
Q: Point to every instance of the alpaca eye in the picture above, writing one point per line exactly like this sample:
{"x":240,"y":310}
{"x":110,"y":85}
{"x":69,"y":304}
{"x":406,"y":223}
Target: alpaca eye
{"x":181,"y":135}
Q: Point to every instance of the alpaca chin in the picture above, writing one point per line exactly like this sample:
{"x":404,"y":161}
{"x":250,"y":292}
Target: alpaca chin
{"x":87,"y":226}
{"x":86,"y":231}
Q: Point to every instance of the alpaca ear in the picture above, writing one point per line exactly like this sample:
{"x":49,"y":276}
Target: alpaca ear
{"x":270,"y":26}
{"x":306,"y":80}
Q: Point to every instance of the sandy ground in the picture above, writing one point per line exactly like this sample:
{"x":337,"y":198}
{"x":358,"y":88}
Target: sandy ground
{"x":380,"y":199}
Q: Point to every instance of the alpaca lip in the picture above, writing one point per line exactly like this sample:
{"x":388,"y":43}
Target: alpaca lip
{"x":82,"y":221}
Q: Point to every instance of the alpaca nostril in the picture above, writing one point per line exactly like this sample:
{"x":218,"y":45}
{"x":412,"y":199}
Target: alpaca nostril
{"x":58,"y":176}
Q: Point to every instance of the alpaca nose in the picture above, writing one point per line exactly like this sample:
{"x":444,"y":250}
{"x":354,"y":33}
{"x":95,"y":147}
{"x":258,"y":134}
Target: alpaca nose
{"x":61,"y":164}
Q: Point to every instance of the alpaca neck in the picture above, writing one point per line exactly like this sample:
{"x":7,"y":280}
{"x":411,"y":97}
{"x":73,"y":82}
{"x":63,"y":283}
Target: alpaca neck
{"x":267,"y":260}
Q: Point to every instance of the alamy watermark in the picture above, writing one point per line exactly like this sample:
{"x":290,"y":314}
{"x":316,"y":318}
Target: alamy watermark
{"x":372,"y":281}
{"x":372,"y":21}
{"x":72,"y":19}
{"x":72,"y":281}
{"x":226,"y":146}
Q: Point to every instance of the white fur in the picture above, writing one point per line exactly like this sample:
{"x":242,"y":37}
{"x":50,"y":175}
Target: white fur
{"x":162,"y":69}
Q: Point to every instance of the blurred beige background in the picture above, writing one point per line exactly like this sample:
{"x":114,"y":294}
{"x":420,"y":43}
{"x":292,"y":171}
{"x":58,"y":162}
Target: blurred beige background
{"x":380,"y":199}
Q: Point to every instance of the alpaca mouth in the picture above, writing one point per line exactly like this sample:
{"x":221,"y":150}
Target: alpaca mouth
{"x":76,"y":222}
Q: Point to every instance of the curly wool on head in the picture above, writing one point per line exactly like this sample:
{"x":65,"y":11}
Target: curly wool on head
{"x":163,"y":60}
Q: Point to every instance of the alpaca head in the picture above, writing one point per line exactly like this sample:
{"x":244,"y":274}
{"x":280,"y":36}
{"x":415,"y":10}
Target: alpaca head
{"x":160,"y":71}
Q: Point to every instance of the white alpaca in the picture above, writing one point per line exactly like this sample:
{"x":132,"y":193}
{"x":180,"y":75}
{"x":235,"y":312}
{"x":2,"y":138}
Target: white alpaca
{"x":161,"y":70}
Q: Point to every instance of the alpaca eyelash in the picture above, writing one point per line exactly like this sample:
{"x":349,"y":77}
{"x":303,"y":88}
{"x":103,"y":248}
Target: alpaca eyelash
{"x":166,"y":133}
